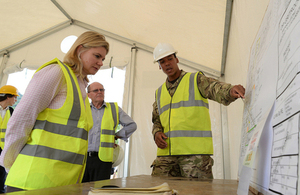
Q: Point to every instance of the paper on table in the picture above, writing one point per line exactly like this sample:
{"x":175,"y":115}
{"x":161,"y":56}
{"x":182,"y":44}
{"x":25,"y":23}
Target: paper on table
{"x":162,"y":189}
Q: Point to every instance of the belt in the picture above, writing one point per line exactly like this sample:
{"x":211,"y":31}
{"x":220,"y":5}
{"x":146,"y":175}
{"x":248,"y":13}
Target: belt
{"x":92,"y":153}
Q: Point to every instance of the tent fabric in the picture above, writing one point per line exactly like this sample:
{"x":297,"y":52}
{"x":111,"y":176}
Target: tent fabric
{"x":196,"y":27}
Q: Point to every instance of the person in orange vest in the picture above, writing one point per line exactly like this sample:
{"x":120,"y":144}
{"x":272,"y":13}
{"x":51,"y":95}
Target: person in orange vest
{"x":8,"y":97}
{"x":47,"y":137}
{"x":181,"y":121}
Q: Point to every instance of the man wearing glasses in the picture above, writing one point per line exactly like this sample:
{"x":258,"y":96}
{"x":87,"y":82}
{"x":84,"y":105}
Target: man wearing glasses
{"x":106,"y":118}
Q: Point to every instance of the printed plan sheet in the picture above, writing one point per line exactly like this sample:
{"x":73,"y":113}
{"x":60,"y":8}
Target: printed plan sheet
{"x":269,"y":154}
{"x":285,"y":148}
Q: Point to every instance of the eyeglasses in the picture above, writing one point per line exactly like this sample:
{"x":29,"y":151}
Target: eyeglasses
{"x":97,"y":90}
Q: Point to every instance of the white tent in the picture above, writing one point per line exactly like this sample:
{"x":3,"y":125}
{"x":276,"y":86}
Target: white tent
{"x":32,"y":30}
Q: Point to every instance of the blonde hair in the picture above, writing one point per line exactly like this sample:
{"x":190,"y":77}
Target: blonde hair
{"x":88,"y":40}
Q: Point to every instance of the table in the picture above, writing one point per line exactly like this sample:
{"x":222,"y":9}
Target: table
{"x":188,"y":186}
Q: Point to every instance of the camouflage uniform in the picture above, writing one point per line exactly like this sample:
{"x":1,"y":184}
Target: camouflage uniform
{"x":192,"y":165}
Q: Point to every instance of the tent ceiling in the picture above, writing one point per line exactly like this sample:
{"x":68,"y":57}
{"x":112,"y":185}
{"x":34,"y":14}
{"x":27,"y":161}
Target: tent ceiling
{"x":196,"y":28}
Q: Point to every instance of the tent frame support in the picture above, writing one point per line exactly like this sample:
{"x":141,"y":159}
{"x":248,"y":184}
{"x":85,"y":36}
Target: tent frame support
{"x":62,"y":9}
{"x":129,"y":111}
{"x":2,"y":67}
{"x":35,"y":37}
{"x":225,"y":143}
{"x":226,"y":34}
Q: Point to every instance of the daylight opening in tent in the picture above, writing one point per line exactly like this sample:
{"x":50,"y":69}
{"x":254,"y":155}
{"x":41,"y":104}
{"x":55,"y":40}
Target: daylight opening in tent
{"x":67,"y":43}
{"x":113,"y":80}
{"x":20,"y":79}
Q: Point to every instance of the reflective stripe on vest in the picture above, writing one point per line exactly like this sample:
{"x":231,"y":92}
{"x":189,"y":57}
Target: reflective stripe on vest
{"x":191,"y":101}
{"x":185,"y":119}
{"x":109,"y":123}
{"x":3,"y":127}
{"x":55,"y":152}
{"x":185,"y":133}
{"x":61,"y":129}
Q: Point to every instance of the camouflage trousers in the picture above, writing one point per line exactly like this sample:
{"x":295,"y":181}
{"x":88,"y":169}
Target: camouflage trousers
{"x":197,"y":166}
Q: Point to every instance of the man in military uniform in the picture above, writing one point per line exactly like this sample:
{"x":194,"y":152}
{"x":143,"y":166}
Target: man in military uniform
{"x":181,"y":122}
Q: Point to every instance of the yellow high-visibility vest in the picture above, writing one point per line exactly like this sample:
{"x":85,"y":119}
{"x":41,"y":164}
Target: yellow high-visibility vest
{"x":3,"y":126}
{"x":55,"y":153}
{"x":110,"y":121}
{"x":185,"y":119}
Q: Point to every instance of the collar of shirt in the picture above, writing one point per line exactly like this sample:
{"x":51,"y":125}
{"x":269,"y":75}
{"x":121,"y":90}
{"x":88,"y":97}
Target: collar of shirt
{"x":172,"y":85}
{"x":104,"y":104}
{"x":3,"y":111}
{"x":3,"y":108}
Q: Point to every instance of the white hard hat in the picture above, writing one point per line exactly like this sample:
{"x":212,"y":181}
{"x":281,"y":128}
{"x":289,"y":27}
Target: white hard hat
{"x":118,"y":156}
{"x":162,"y":50}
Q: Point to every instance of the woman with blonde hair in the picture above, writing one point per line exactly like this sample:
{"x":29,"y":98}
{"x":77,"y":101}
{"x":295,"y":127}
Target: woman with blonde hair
{"x":46,"y":139}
